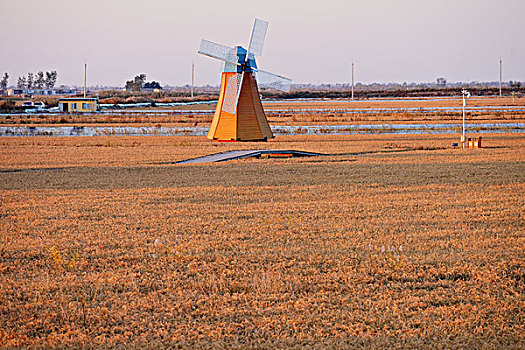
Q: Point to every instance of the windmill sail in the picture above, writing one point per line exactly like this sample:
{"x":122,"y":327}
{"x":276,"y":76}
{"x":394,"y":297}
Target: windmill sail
{"x":257,"y":38}
{"x":254,"y":48}
{"x":231,"y":93}
{"x":218,"y":51}
{"x":275,"y":81}
{"x":239,"y":90}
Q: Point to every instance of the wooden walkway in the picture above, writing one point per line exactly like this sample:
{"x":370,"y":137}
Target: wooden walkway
{"x":257,"y":153}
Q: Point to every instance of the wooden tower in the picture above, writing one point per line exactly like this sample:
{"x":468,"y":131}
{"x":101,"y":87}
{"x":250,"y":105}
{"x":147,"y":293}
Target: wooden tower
{"x":245,"y":121}
{"x":239,"y":115}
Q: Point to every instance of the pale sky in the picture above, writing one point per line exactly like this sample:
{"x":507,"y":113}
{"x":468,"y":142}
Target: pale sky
{"x":307,"y":41}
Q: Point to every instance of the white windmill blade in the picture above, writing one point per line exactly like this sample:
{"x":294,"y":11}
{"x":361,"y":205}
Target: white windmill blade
{"x":218,"y":51}
{"x":231,"y":93}
{"x":239,"y":84}
{"x":257,"y":38}
{"x":274,"y":81}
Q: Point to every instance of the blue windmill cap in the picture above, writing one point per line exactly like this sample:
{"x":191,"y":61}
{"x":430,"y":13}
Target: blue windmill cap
{"x":241,"y":58}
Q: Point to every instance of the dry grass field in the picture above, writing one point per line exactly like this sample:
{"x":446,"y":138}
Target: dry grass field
{"x":475,"y":101}
{"x":397,"y":242}
{"x":299,"y":113}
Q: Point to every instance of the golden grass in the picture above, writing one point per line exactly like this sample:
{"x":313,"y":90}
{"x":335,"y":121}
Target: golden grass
{"x":51,"y":152}
{"x":295,"y":113}
{"x":408,"y":244}
{"x":376,"y":103}
{"x":401,"y":103}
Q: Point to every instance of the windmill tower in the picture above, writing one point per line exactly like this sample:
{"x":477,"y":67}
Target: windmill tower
{"x":239,"y":115}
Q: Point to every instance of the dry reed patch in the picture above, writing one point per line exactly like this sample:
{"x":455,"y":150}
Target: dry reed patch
{"x":294,"y":113}
{"x":275,"y":117}
{"x":399,"y":103}
{"x":264,"y":254}
{"x":118,"y":151}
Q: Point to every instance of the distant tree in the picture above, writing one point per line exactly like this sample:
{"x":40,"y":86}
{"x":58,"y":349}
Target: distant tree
{"x":39,"y":81}
{"x":50,"y":79}
{"x":48,"y":82}
{"x":137,"y":83}
{"x":441,"y":81}
{"x":30,"y":80}
{"x":3,"y":82}
{"x":141,"y":78}
{"x":54,"y":76}
{"x":21,"y":83}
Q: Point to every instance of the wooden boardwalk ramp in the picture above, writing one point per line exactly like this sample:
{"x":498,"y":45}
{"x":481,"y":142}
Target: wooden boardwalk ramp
{"x":257,"y":153}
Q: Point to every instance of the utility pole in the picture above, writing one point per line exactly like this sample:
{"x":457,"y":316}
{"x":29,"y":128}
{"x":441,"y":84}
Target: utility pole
{"x":500,"y":64}
{"x":466,"y":95}
{"x":85,"y":77}
{"x":352,"y":79}
{"x":192,"y":77}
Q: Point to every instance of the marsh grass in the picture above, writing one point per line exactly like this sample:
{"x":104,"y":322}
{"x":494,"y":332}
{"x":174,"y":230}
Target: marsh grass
{"x":412,"y":249}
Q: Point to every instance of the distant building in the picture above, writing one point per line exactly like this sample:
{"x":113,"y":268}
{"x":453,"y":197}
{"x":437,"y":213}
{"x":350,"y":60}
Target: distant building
{"x":152,"y":87}
{"x":42,"y":92}
{"x":59,"y":91}
{"x":13,"y":92}
{"x":78,"y":104}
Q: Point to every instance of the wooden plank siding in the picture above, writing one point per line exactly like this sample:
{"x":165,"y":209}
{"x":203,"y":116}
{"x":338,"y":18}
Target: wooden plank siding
{"x":249,"y":122}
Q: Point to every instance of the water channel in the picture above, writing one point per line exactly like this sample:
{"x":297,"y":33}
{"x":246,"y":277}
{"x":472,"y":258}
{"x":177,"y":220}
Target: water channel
{"x":415,"y":129}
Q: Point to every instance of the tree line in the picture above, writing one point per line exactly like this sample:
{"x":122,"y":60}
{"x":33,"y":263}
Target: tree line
{"x":139,"y":82}
{"x":39,"y":80}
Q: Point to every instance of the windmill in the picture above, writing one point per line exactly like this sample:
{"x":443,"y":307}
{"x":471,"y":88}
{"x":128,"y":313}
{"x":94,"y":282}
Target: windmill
{"x":239,"y":115}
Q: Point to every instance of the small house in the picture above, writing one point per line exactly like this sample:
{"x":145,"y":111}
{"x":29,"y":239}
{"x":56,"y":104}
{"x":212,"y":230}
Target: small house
{"x":78,"y":104}
{"x":13,"y":92}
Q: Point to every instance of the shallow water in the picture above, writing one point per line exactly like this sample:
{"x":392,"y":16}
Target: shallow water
{"x":159,"y":104}
{"x":145,"y":107}
{"x":277,"y":130}
{"x":385,"y":110}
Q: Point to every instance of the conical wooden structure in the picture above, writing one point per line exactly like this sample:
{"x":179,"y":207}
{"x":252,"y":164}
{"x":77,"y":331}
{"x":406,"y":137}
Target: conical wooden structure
{"x":242,"y":117}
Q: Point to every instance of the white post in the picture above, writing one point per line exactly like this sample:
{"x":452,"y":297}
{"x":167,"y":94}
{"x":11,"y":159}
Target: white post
{"x":192,"y":77}
{"x":352,"y":79}
{"x":466,"y":95}
{"x":463,"y":137}
{"x":85,"y":77}
{"x":500,"y":64}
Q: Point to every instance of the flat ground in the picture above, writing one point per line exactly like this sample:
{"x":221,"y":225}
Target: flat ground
{"x":400,"y":242}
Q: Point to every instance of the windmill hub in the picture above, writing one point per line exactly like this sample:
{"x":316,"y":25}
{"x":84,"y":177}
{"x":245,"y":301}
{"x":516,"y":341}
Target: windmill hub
{"x":241,"y":63}
{"x":246,"y":65}
{"x":239,"y":115}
